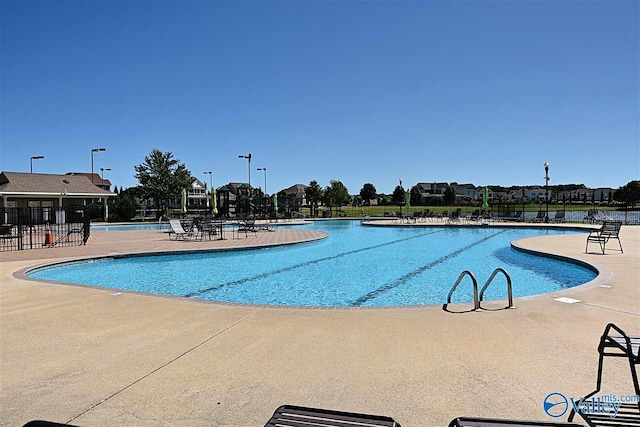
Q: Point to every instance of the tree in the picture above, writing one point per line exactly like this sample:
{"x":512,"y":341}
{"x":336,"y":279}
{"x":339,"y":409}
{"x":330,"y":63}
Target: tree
{"x":313,"y":194}
{"x":162,"y":178}
{"x":416,"y":195}
{"x":336,"y":194}
{"x":449,"y":196}
{"x":397,"y":198}
{"x":123,"y":206}
{"x":628,"y":194}
{"x":368,"y":193}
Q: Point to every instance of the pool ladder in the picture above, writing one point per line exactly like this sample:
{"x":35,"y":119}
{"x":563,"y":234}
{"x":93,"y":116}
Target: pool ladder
{"x":477,"y":299}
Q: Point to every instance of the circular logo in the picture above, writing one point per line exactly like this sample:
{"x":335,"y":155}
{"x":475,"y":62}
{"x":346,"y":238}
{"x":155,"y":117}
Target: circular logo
{"x":555,"y":404}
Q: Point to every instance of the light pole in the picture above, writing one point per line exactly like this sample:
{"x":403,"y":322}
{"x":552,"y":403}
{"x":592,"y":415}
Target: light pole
{"x":31,"y":162}
{"x":102,"y":174}
{"x":546,"y":177}
{"x":402,"y":196}
{"x":93,"y":150}
{"x":248,"y":157}
{"x":211,"y":183}
{"x":265,"y":188}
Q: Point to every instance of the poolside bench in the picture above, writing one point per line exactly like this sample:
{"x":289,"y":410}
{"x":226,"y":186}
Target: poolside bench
{"x":609,"y":230}
{"x":295,"y":416}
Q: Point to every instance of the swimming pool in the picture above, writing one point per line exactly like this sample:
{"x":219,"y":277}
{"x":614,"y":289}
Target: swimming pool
{"x":131,"y":227}
{"x":355,"y":266}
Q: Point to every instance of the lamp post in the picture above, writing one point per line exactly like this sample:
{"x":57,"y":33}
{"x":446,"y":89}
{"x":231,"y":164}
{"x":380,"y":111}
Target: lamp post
{"x":546,"y":177}
{"x":211,"y":184}
{"x":402,"y":196}
{"x":265,"y":188}
{"x":93,"y":150}
{"x":248,"y":157}
{"x":31,"y":162}
{"x":102,"y":174}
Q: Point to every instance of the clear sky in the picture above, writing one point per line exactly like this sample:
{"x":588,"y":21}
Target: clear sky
{"x":480,"y":92}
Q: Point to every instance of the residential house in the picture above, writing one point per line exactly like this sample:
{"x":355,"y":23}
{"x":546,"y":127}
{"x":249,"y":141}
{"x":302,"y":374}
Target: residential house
{"x":432,"y":191}
{"x":295,"y":197}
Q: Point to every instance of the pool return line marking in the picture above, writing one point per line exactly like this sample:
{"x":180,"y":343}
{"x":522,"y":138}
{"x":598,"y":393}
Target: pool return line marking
{"x":410,"y":275}
{"x":304,"y":264}
{"x":95,"y":405}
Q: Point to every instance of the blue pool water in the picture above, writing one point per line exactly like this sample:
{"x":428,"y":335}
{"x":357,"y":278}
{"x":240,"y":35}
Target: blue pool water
{"x":355,"y":266}
{"x":131,"y":227}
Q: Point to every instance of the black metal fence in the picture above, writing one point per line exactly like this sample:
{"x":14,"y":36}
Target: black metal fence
{"x":37,"y":228}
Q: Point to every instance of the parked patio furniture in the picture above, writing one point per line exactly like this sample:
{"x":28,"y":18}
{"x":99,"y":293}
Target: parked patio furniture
{"x":297,"y":416}
{"x":614,"y":342}
{"x":6,"y":235}
{"x":179,"y":232}
{"x":609,"y":230}
{"x":592,"y":216}
{"x":540,"y":216}
{"x":559,"y":217}
{"x":246,"y":226}
{"x":496,"y":422}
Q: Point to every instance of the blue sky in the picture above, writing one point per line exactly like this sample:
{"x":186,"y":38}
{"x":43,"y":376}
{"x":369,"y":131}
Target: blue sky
{"x":361,"y":91}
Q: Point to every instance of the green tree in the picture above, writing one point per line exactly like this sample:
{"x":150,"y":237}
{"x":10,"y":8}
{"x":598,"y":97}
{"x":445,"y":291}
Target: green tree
{"x":313,"y":194}
{"x":162,"y":178}
{"x":449,"y":196}
{"x":416,"y":195}
{"x":368,"y":193}
{"x":628,"y":194}
{"x":123,"y":206}
{"x":397,"y":198}
{"x":336,"y":194}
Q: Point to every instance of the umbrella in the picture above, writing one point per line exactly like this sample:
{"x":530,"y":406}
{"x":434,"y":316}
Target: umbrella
{"x":214,"y":202}
{"x":184,"y":201}
{"x":485,"y":197}
{"x":407,"y":199}
{"x":275,"y":203}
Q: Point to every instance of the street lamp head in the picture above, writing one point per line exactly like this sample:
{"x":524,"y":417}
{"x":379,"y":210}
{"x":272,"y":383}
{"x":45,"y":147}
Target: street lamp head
{"x":546,"y":165}
{"x":207,"y":172}
{"x":262,"y":169}
{"x":98,"y":149}
{"x":37,"y":157}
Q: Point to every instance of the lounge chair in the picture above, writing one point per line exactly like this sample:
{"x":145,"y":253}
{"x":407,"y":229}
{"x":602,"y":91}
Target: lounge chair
{"x":297,"y":416}
{"x":614,"y":342}
{"x":496,"y":422}
{"x":540,"y":216}
{"x":604,"y":216}
{"x":591,"y":217}
{"x":247,"y":225}
{"x":609,"y":230}
{"x":180,"y":233}
{"x":559,"y":217}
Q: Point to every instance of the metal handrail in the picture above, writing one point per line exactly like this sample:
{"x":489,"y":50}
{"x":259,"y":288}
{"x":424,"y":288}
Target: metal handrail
{"x":476,"y":301}
{"x":509,"y":289}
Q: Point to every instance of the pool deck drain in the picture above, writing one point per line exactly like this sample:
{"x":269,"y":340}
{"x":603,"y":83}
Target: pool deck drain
{"x":76,"y":353}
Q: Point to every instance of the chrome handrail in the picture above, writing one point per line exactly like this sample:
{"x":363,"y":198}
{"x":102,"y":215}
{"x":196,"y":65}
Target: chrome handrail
{"x":476,"y":301}
{"x":509,"y":288}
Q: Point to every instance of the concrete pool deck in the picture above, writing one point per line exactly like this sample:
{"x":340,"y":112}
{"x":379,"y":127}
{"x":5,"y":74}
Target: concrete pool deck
{"x":85,"y":356}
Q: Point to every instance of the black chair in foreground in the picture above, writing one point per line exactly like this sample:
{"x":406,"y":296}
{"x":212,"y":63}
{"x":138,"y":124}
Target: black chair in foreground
{"x":616,"y":343}
{"x":609,"y":230}
{"x":495,"y":422}
{"x":295,"y":416}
